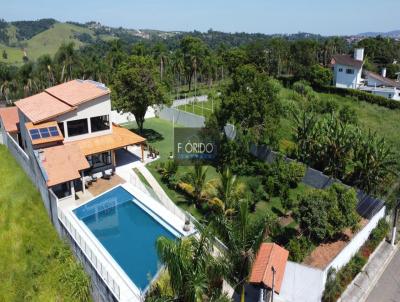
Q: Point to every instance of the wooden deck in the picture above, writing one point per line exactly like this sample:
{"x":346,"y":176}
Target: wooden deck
{"x":102,"y":185}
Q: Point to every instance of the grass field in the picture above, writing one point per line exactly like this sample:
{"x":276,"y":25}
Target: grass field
{"x":201,"y":108}
{"x":35,"y":264}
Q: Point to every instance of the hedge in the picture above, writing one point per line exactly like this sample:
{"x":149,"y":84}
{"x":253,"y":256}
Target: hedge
{"x":361,"y":96}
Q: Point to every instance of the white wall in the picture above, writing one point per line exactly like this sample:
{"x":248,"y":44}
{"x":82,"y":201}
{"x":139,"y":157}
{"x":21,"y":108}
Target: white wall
{"x":355,"y":244}
{"x":307,"y":284}
{"x":98,"y":107}
{"x":344,"y":80}
{"x":394,"y":95}
{"x":123,"y":118}
{"x":301,"y":283}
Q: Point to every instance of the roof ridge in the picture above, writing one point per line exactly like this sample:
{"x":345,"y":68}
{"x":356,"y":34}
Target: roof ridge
{"x":268,"y":262}
{"x":61,"y":100}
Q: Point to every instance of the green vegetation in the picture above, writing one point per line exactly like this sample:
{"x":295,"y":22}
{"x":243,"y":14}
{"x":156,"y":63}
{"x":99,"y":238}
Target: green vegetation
{"x":136,"y":87}
{"x":337,"y":281}
{"x":194,"y":273}
{"x":46,"y":42}
{"x":36,"y":265}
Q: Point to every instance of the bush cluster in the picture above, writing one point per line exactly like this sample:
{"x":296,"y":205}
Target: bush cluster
{"x":361,"y":96}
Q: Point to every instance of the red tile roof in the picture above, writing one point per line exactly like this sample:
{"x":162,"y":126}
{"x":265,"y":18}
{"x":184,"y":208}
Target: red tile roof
{"x":60,"y":99}
{"x":41,"y":107}
{"x":10,"y":119}
{"x":77,"y":91}
{"x":269,"y":255}
{"x":63,"y":163}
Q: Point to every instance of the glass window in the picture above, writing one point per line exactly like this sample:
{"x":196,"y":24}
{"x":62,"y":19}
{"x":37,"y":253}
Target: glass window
{"x":100,"y":123}
{"x":340,"y":69}
{"x":350,"y":71}
{"x":77,"y":127}
{"x":99,"y":160}
{"x":61,"y":126}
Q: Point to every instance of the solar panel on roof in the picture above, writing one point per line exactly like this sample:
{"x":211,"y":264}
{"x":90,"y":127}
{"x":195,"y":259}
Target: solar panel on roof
{"x":34,"y":134}
{"x":44,"y":132}
{"x":54,"y":133}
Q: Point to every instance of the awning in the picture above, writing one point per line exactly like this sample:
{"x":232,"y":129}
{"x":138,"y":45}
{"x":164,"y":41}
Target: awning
{"x":119,"y":138}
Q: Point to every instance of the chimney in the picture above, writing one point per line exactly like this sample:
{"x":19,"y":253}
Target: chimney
{"x":383,"y":73}
{"x":359,"y":54}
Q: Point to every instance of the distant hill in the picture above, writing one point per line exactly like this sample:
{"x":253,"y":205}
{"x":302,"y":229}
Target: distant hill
{"x":35,"y":38}
{"x":390,"y":34}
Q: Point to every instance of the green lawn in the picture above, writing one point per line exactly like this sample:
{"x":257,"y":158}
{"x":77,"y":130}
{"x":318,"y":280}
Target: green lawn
{"x":159,"y":134}
{"x":35,"y":264}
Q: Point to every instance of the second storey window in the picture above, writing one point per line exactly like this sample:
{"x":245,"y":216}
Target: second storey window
{"x":349,"y":71}
{"x":340,"y":69}
{"x":77,"y":127}
{"x":100,"y":123}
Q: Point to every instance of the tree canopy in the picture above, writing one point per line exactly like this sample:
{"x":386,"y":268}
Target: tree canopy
{"x":136,"y":87}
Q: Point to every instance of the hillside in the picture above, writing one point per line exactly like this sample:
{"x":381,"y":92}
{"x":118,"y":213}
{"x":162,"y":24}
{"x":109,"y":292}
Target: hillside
{"x":45,"y":42}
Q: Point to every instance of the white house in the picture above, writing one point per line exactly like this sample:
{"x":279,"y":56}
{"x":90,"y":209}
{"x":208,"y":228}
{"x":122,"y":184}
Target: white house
{"x":379,"y":84}
{"x":68,"y":130}
{"x":347,"y":70}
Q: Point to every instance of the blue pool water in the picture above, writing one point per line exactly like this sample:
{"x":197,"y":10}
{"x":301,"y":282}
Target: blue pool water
{"x":127,"y":232}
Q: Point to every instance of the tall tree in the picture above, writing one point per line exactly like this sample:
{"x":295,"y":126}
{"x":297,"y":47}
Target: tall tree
{"x":194,"y":51}
{"x":136,"y":87}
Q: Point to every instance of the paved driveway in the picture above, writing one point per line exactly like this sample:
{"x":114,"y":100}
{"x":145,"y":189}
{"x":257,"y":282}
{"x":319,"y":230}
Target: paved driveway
{"x":388,"y":287}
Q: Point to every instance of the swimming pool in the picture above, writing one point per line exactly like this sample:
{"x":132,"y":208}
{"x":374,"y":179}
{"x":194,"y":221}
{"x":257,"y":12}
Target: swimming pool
{"x":128,"y":230}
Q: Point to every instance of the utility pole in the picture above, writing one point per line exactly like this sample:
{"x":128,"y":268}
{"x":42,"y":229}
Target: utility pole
{"x":273,"y":283}
{"x":394,"y":231}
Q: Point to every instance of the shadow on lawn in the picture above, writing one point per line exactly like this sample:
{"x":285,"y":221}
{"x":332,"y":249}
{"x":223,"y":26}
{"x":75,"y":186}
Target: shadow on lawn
{"x":151,"y":135}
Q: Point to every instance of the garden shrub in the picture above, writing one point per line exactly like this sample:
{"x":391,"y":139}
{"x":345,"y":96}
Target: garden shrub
{"x":168,"y":171}
{"x":186,"y":188}
{"x":378,"y":234}
{"x":295,"y":173}
{"x":256,"y":191}
{"x":299,"y":248}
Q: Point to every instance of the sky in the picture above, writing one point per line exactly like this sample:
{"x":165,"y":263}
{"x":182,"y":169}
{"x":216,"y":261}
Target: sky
{"x":327,"y":17}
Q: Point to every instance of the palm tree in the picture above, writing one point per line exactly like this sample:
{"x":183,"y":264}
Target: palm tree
{"x":197,"y":178}
{"x":66,"y":57}
{"x":243,"y":242}
{"x":195,"y":274}
{"x":227,"y":192}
